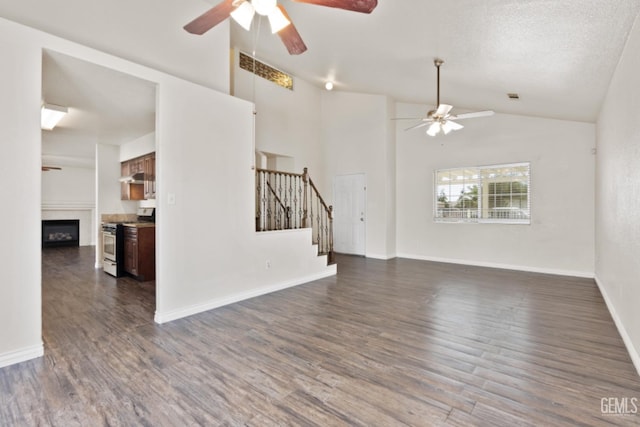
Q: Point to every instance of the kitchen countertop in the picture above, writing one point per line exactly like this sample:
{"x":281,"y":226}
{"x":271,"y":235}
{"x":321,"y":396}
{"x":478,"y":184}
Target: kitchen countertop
{"x":139,"y":224}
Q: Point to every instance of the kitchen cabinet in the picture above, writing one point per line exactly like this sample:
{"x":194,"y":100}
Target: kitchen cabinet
{"x":145,"y":165}
{"x":150,"y":176}
{"x":140,"y":252}
{"x":136,"y":165}
{"x":130,"y":191}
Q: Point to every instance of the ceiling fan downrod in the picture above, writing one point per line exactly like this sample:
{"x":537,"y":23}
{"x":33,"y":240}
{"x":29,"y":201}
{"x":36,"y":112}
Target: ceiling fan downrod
{"x":438,"y":62}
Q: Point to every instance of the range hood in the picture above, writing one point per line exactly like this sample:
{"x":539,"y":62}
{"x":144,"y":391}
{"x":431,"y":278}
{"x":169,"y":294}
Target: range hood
{"x":136,"y":178}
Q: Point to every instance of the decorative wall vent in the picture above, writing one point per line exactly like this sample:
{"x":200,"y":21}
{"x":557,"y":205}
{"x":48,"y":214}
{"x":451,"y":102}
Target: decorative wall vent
{"x":265,"y":71}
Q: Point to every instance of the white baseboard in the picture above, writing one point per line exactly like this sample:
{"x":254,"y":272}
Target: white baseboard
{"x":635,"y":357}
{"x":219,"y":302}
{"x":22,"y":355}
{"x":557,"y":272}
{"x":379,"y":256}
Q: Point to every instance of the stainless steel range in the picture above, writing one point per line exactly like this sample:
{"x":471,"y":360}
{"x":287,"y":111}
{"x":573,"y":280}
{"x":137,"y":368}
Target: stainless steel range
{"x":113,"y":248}
{"x":113,"y":242}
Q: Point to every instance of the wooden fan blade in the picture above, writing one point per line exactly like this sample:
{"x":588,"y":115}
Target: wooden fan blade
{"x":290,"y":36}
{"x":473,"y":115}
{"x":210,"y":18}
{"x":50,"y":168}
{"x":363,"y":6}
{"x":409,"y":118}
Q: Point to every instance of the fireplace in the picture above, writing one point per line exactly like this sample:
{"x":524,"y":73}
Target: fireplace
{"x":60,"y":232}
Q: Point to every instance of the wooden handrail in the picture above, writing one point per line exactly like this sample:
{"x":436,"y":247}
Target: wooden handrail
{"x":293,"y":201}
{"x":329,"y":209}
{"x":279,"y":172}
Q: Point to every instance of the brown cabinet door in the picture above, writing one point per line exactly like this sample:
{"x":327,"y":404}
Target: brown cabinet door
{"x":146,"y":253}
{"x":139,"y":252}
{"x":124,"y":187}
{"x":134,"y":258}
{"x":131,"y":250}
{"x":132,"y":191}
{"x":137,"y":165}
{"x":150,"y":176}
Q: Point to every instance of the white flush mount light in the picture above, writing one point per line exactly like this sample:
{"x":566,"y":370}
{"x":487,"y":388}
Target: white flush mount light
{"x":50,"y":115}
{"x":244,"y":14}
{"x":328,"y":85}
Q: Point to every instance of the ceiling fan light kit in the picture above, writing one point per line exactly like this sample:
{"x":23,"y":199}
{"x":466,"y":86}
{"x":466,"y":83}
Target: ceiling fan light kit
{"x":278,"y":21}
{"x":440,"y":120}
{"x":246,"y":9}
{"x":243,"y":15}
{"x":243,"y":12}
{"x":264,"y":7}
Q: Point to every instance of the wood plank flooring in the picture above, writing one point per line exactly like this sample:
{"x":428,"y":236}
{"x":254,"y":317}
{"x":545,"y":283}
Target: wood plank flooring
{"x":384,"y":343}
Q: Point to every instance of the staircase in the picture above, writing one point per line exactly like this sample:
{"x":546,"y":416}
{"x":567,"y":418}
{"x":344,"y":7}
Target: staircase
{"x":288,"y":201}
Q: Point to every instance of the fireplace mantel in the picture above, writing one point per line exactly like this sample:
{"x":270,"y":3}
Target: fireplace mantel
{"x":83,"y":211}
{"x":68,"y":206}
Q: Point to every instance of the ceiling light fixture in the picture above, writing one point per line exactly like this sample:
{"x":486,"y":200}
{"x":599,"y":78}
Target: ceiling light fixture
{"x":264,"y":7}
{"x":328,"y":85}
{"x":244,"y":14}
{"x":50,"y":115}
{"x":277,"y":20}
{"x":444,"y":126}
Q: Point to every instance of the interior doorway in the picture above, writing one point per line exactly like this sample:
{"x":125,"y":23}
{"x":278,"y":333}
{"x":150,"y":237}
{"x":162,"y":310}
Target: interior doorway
{"x":349,"y":220}
{"x":111,"y":117}
{"x":275,"y":162}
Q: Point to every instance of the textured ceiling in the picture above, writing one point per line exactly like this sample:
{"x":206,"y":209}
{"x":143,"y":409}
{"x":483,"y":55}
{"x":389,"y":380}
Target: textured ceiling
{"x":559,"y":56}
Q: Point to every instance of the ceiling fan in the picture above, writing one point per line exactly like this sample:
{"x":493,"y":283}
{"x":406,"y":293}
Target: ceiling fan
{"x":440,"y":119}
{"x":243,"y":11}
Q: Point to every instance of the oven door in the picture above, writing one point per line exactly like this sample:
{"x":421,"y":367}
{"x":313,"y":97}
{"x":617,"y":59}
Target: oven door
{"x":109,"y":246}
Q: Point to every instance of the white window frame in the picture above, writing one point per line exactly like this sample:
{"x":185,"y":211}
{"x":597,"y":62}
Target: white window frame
{"x":480,"y":215}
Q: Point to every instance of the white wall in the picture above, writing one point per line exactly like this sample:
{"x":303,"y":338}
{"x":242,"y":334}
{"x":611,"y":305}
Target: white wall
{"x":148,"y":32}
{"x":287,"y":121}
{"x":70,"y":194}
{"x":560,"y":238}
{"x":204,"y":156}
{"x":138,"y":147}
{"x":20,"y":313}
{"x":108,"y":179}
{"x":211,"y":254}
{"x":71,"y":184}
{"x":356,"y":139}
{"x":617,"y":201}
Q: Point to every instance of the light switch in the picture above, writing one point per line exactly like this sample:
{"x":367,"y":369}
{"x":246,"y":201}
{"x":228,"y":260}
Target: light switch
{"x":171,"y":198}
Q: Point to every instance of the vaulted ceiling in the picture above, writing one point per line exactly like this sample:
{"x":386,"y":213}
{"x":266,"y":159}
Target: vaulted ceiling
{"x":558,"y":55}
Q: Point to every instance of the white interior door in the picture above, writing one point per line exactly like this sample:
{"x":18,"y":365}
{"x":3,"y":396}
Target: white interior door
{"x":349,"y":214}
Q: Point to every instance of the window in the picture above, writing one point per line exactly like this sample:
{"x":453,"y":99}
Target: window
{"x":498,"y":194}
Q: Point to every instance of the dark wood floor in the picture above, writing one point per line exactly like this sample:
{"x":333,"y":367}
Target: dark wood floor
{"x":384,"y":343}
